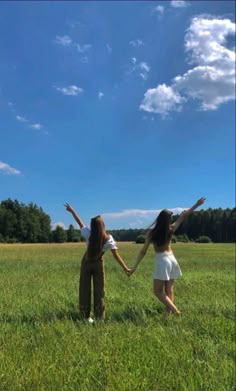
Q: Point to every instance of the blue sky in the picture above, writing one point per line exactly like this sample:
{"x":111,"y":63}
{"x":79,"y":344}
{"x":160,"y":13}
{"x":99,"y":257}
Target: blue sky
{"x":119,"y":108}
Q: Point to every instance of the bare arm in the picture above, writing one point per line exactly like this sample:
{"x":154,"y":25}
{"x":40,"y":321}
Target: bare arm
{"x":118,"y":258}
{"x":74,"y":214}
{"x":186,"y":213}
{"x":141,"y":255}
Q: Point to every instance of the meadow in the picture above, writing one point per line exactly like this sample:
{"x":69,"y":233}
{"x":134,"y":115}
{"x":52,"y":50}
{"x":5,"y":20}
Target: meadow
{"x":44,"y":345}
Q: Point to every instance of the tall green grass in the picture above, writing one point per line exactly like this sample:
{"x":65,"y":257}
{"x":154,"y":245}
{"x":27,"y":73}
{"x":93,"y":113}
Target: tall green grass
{"x":44,"y":345}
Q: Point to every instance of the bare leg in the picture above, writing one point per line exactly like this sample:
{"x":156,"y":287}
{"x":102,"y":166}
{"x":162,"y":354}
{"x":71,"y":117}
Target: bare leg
{"x":169,"y":289}
{"x":159,"y":286}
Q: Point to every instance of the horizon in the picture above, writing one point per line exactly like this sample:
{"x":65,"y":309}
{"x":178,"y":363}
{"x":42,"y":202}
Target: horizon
{"x":103,"y":107}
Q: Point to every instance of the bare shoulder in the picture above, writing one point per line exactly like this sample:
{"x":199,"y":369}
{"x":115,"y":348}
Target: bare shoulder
{"x":106,"y":237}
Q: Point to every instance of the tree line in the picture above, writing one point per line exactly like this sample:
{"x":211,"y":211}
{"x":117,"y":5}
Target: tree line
{"x":30,"y":224}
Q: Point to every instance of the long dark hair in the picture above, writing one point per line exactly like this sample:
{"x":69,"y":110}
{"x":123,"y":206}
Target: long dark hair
{"x":97,"y":236}
{"x":161,"y":232}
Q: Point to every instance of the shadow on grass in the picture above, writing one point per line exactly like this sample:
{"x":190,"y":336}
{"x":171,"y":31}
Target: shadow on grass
{"x":134,"y":314}
{"x":33,"y":319}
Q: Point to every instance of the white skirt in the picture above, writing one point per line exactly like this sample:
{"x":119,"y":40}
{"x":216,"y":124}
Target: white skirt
{"x":166,"y":267}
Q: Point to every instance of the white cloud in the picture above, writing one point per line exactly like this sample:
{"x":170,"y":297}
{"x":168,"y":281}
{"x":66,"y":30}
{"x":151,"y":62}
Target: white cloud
{"x":21,"y":119}
{"x":143,"y":76}
{"x":136,"y":43}
{"x":160,"y":9}
{"x":179,"y":3}
{"x":36,"y":126}
{"x":6,"y":169}
{"x":161,"y":100}
{"x":135,"y":218}
{"x":100,"y":95}
{"x":131,"y":213}
{"x":207,"y":84}
{"x":64,"y":40}
{"x":59,"y":224}
{"x":211,"y":80}
{"x":70,"y":90}
{"x":83,"y":48}
{"x":141,"y":68}
{"x":144,"y":66}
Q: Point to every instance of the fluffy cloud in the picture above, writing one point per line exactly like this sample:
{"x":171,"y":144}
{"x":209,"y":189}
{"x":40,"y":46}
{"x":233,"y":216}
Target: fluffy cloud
{"x":59,"y":224}
{"x":159,"y":9}
{"x":211,"y":80}
{"x":67,"y":41}
{"x":64,"y":40}
{"x":70,"y":90}
{"x":135,"y":218}
{"x":100,"y":95}
{"x":83,"y":48}
{"x":36,"y":126}
{"x":136,"y":43}
{"x":144,"y":67}
{"x":178,"y":3}
{"x":21,"y":119}
{"x":6,"y":169}
{"x":162,"y":100}
{"x":141,"y":68}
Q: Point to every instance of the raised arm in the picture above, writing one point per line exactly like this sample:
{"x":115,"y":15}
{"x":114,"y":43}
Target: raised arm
{"x":118,"y":258}
{"x":186,"y":213}
{"x":74,"y":214}
{"x":140,"y":255}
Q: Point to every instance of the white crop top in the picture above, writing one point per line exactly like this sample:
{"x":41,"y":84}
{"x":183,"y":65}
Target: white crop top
{"x":109,"y":245}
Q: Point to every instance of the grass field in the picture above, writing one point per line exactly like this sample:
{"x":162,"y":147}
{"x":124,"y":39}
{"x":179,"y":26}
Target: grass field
{"x":44,"y":346}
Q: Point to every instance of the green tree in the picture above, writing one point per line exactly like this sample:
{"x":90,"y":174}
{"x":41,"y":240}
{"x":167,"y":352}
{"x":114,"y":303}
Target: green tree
{"x":24,"y":223}
{"x":203,"y":239}
{"x":140,"y":239}
{"x":73,"y":235}
{"x":59,"y":235}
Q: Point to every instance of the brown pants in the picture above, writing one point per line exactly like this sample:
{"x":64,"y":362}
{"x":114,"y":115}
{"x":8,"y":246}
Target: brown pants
{"x":92,"y":269}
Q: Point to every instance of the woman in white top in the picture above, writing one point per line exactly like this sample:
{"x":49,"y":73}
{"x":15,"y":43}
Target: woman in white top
{"x":166,"y":268}
{"x":92,"y":265}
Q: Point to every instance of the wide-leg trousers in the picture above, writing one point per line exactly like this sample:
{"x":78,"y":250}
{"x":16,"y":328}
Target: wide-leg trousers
{"x":91,"y":270}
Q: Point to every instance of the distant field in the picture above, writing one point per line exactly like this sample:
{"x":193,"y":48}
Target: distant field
{"x":44,"y":346}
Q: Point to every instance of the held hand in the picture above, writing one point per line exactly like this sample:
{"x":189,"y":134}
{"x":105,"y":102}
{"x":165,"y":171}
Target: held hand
{"x":68,"y":207}
{"x":200,"y":201}
{"x":131,"y":271}
{"x":127,"y":271}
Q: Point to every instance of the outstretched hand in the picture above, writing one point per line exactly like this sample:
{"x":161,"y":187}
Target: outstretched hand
{"x":68,"y":207}
{"x":201,"y":201}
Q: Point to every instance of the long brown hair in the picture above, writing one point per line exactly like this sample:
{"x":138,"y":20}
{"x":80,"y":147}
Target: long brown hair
{"x":161,"y":232}
{"x":97,"y":236}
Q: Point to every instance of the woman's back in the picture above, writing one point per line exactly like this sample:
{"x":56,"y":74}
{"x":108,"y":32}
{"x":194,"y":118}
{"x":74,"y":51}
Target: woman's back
{"x":161,"y":234}
{"x":163,"y":247}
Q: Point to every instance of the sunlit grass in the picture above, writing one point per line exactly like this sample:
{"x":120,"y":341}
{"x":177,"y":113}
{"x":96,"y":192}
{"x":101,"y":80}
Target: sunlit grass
{"x":44,"y":345}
